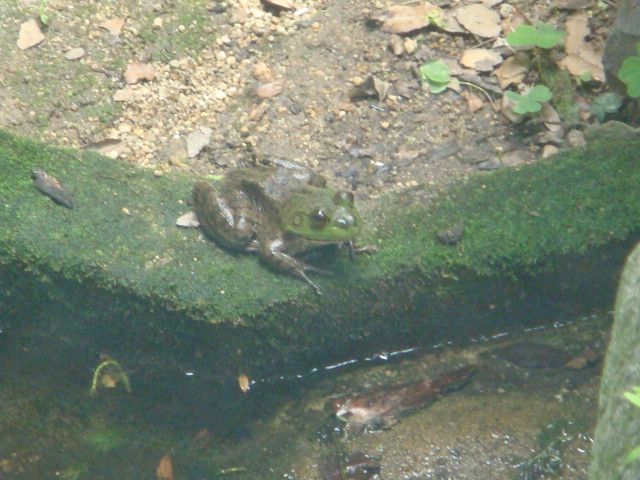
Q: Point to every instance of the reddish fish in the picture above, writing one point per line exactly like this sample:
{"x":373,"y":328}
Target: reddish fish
{"x":380,"y":408}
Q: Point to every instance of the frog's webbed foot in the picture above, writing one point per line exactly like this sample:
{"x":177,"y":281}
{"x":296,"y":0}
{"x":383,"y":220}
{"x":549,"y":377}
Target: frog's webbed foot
{"x":363,"y":250}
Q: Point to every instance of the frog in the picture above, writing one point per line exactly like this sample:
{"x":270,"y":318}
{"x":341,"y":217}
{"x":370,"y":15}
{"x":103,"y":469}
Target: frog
{"x":279,"y":211}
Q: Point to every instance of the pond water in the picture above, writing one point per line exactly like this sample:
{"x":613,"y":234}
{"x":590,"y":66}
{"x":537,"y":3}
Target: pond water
{"x":527,"y":412}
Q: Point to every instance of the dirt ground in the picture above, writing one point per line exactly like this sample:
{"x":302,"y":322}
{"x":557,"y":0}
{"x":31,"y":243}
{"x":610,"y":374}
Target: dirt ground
{"x":210,"y":58}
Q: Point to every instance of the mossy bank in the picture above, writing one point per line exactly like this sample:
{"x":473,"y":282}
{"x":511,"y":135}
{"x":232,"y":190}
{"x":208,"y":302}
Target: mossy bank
{"x":115,"y":274}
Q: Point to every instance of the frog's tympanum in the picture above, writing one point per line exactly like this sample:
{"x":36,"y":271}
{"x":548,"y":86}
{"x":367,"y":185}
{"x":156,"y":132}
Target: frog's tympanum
{"x":279,"y":212}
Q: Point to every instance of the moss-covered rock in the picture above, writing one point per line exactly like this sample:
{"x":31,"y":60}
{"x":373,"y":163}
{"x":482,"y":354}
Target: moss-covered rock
{"x":115,"y":274}
{"x":618,"y":430}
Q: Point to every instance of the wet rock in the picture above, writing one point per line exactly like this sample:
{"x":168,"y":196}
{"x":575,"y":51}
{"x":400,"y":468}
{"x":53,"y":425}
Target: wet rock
{"x":492,"y":163}
{"x":576,"y":139}
{"x":517,"y":157}
{"x":533,"y":355}
{"x":619,"y":422}
{"x":453,"y":235}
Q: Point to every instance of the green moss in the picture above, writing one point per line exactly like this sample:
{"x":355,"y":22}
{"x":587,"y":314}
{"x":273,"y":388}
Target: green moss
{"x":551,"y":233}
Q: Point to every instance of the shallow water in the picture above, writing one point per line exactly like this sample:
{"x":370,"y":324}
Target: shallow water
{"x":508,"y":422}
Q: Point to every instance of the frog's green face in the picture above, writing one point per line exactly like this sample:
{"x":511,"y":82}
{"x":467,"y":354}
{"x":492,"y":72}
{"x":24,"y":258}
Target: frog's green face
{"x":321,"y":214}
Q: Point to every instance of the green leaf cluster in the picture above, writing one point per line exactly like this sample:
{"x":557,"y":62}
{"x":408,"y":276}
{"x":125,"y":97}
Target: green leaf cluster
{"x":542,"y":35}
{"x":634,"y":397}
{"x":629,"y":73}
{"x":436,"y":74}
{"x":531,"y":101}
{"x":608,"y":102}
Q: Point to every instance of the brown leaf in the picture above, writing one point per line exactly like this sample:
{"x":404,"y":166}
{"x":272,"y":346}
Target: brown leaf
{"x":280,"y":4}
{"x":243,"y":383}
{"x":479,"y":20}
{"x":581,"y":56}
{"x":30,"y":35}
{"x":197,"y":140}
{"x":480,"y":59}
{"x":139,"y":71}
{"x":268,"y":90}
{"x":474,"y":102}
{"x":513,"y":70}
{"x":110,"y":147}
{"x":113,"y":25}
{"x":165,"y":468}
{"x":407,"y":18}
{"x":262,"y":72}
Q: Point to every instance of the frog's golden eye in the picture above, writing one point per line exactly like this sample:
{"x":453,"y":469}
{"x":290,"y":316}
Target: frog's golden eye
{"x":298,"y":220}
{"x":319,"y":219}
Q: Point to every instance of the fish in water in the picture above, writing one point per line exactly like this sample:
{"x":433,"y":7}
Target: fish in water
{"x":51,"y":187}
{"x":380,"y":408}
{"x":533,"y":355}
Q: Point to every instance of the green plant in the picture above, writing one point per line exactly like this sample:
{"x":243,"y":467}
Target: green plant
{"x":629,"y":73}
{"x":634,"y":397}
{"x":42,"y":12}
{"x":108,"y":374}
{"x":604,"y":103}
{"x":530,"y":101}
{"x":543,"y":36}
{"x":436,"y":74}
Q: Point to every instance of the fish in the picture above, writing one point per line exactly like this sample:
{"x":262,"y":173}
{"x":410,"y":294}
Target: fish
{"x":381,"y":407}
{"x":51,"y":187}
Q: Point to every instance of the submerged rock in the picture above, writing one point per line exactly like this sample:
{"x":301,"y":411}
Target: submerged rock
{"x":533,"y":355}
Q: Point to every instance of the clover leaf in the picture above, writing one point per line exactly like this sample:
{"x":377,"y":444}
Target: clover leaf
{"x":436,"y":74}
{"x":605,"y":103}
{"x":629,"y":73}
{"x":531,"y":101}
{"x":543,"y":35}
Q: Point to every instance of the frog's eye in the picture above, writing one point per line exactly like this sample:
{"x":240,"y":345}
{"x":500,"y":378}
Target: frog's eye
{"x":319,"y":219}
{"x":343,"y":197}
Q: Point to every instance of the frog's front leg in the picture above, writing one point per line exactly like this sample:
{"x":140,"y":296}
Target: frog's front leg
{"x":271,"y":251}
{"x":222,"y":218}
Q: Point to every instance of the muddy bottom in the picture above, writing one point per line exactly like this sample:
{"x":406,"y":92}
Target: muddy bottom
{"x":507,"y":421}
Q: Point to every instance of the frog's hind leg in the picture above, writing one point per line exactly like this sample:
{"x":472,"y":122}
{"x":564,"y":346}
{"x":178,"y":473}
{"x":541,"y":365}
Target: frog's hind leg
{"x":271,"y":253}
{"x":221,"y":219}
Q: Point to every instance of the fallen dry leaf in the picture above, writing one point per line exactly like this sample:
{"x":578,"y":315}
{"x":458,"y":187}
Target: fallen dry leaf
{"x":280,"y":4}
{"x":110,"y":147}
{"x":74,"y":53}
{"x":513,"y":70}
{"x":479,"y":20}
{"x":165,"y":468}
{"x":450,"y":24}
{"x":551,"y":118}
{"x":581,"y":56}
{"x":197,"y":140}
{"x":113,"y":25}
{"x":243,"y":383}
{"x":30,"y":35}
{"x":474,"y":102}
{"x":572,"y":4}
{"x":577,"y":29}
{"x":407,"y":18}
{"x":137,"y":72}
{"x":372,"y":87}
{"x":262,"y":72}
{"x":188,"y":220}
{"x":268,"y":90}
{"x":480,"y":59}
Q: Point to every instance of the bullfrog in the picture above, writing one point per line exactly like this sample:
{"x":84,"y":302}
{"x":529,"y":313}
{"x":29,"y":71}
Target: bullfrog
{"x":278,"y":211}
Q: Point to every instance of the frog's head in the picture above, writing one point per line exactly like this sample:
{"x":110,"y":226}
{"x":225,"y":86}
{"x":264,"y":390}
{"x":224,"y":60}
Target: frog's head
{"x":321,"y":214}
